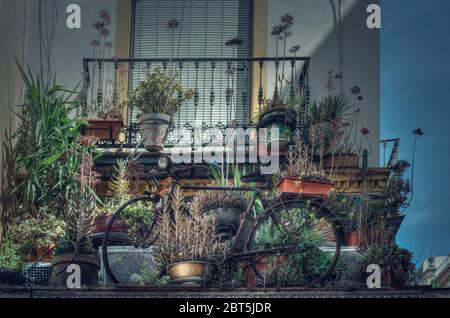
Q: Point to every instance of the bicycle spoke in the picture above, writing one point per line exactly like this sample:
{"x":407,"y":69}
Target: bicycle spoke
{"x":291,"y":245}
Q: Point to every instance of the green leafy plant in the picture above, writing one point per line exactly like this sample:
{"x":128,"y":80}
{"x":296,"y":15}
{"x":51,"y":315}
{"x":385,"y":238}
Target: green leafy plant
{"x":160,"y":93}
{"x":10,"y":258}
{"x":395,"y":262}
{"x":33,"y":233}
{"x":329,"y":109}
{"x":47,"y":144}
{"x":343,"y":210}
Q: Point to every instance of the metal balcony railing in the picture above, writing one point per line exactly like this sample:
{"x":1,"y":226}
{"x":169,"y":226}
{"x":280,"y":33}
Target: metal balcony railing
{"x":390,"y":148}
{"x":228,"y":91}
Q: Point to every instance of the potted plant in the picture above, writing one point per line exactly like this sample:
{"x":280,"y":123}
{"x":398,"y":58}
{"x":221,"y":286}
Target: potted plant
{"x":345,"y":211}
{"x":118,"y":194}
{"x":106,"y":124}
{"x":280,"y":116}
{"x":105,"y":117}
{"x":301,"y":175}
{"x":158,"y":98}
{"x":223,"y":208}
{"x":79,"y":213}
{"x":395,"y":262}
{"x":36,"y":236}
{"x":76,"y":246}
{"x":326,"y":119}
{"x":291,"y":270}
{"x":187,"y":246}
{"x":10,"y":263}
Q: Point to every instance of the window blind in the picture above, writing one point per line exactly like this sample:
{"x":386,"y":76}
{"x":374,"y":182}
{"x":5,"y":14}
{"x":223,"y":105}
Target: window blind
{"x":204,"y":28}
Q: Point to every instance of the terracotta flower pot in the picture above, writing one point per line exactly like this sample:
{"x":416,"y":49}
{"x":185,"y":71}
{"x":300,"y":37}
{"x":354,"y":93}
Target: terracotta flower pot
{"x":262,"y":265}
{"x":101,"y":222}
{"x":191,"y":273}
{"x":104,"y":129}
{"x":89,"y":267}
{"x":352,"y":239}
{"x":346,"y":161}
{"x":154,"y":130}
{"x":308,"y":188}
{"x":42,"y":253}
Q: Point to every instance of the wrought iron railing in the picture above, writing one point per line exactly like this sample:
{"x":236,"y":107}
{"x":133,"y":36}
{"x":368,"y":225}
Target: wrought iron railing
{"x":390,"y":148}
{"x":227,"y":91}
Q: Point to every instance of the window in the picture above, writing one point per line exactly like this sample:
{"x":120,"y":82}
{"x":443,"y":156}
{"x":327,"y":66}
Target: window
{"x":204,"y":27}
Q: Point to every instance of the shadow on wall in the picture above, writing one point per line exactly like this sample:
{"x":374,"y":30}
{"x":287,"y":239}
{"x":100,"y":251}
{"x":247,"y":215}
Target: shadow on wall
{"x":360,"y":47}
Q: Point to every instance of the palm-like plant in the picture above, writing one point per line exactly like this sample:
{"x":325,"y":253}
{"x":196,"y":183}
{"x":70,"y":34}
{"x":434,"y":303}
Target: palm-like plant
{"x":333,"y":107}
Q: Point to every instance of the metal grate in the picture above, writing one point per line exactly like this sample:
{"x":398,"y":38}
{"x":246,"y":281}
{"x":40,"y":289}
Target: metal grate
{"x":39,"y":274}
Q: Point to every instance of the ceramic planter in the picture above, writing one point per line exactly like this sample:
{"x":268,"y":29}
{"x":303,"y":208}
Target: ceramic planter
{"x":89,"y":267}
{"x":352,"y":239}
{"x":154,"y":130}
{"x":346,"y":161}
{"x":191,"y":273}
{"x":104,"y":129}
{"x":308,"y":188}
{"x":227,"y":221}
{"x":283,"y":120}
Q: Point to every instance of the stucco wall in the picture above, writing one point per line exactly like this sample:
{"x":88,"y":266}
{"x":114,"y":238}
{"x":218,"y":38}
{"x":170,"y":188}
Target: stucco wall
{"x":315,"y":31}
{"x":70,"y":45}
{"x":12,"y":38}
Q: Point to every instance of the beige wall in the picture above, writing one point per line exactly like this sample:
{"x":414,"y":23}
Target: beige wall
{"x":12,"y":37}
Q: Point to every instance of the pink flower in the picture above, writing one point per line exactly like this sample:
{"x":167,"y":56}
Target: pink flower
{"x":336,"y":123}
{"x":365,"y":131}
{"x":105,"y":16}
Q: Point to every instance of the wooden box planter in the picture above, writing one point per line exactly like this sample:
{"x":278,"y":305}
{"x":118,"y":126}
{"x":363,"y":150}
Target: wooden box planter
{"x":344,"y":161}
{"x":104,"y":129}
{"x":308,"y":188}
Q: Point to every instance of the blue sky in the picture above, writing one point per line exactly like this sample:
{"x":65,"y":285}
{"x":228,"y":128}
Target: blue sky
{"x":415,"y":92}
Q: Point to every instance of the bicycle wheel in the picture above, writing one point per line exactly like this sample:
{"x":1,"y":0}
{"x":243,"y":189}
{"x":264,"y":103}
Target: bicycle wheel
{"x":293,"y":243}
{"x":127,"y":244}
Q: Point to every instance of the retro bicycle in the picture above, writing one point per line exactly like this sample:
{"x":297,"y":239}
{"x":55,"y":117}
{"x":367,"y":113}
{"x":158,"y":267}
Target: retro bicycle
{"x":290,"y":232}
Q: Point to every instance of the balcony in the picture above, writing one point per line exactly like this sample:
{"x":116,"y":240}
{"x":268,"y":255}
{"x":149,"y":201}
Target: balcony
{"x":228,"y":91}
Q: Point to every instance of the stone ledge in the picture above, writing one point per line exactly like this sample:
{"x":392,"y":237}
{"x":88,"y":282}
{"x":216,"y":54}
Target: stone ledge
{"x":177,"y":292}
